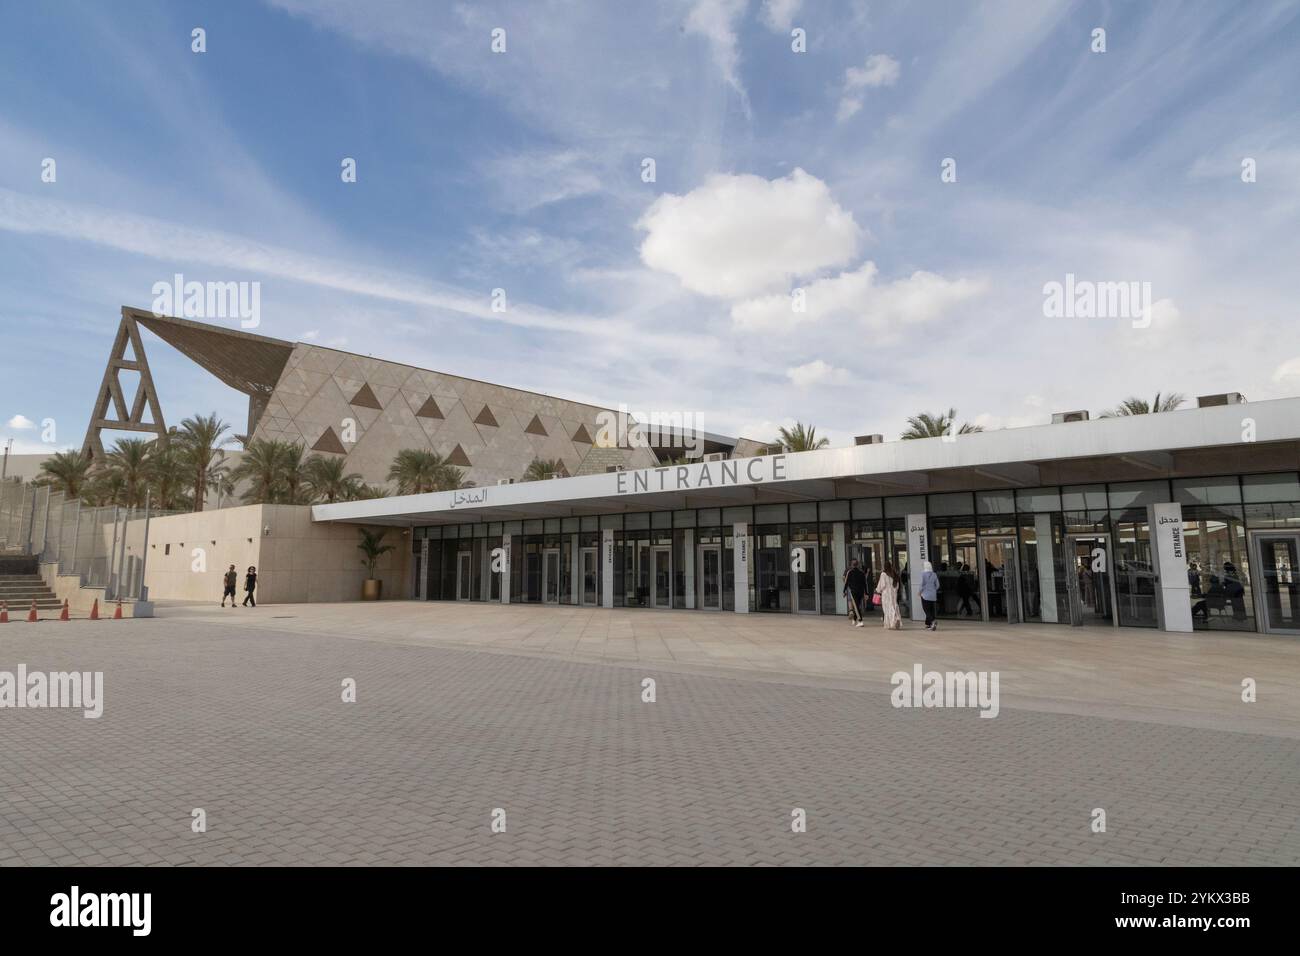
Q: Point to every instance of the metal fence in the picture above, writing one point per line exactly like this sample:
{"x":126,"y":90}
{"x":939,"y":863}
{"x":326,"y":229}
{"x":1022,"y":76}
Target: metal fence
{"x":106,"y":546}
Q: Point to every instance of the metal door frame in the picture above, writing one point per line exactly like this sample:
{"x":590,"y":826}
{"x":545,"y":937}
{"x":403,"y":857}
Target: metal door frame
{"x":547,"y":553}
{"x":1072,"y":578}
{"x":984,"y":578}
{"x":465,"y":573}
{"x":655,"y":551}
{"x":700,"y":558}
{"x":582,"y":569}
{"x":815,"y":571}
{"x":1257,"y":578}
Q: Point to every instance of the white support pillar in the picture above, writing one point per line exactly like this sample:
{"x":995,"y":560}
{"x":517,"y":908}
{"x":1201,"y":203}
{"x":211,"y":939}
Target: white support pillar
{"x":607,"y":569}
{"x":740,"y":565}
{"x":688,"y":558}
{"x":1046,"y":568}
{"x":918,"y":552}
{"x":575,"y":570}
{"x":1173,"y":590}
{"x":837,"y":563}
{"x":505,"y":569}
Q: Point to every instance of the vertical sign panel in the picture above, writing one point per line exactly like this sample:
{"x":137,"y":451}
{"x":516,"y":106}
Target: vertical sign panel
{"x":918,"y":552}
{"x":740,"y":564}
{"x":607,"y":568}
{"x":1174,"y":589}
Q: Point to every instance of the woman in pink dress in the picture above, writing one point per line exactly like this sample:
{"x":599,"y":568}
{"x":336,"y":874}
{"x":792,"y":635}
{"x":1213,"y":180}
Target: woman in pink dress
{"x":887,"y":588}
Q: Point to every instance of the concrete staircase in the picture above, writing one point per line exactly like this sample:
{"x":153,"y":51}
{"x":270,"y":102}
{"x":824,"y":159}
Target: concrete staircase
{"x":20,"y":589}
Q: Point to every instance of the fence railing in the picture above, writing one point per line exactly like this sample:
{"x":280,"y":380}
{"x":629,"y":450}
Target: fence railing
{"x":106,"y":546}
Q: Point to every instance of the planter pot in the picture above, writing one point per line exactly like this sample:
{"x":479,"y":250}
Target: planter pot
{"x":372,"y":589}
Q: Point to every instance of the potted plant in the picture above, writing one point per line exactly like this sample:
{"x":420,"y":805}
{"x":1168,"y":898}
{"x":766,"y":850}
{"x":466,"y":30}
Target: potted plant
{"x":372,"y":549}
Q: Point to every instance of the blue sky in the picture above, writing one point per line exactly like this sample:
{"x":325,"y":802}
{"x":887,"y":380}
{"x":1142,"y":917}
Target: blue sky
{"x":775,"y":171}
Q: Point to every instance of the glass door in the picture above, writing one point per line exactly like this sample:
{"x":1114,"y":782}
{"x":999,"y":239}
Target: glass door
{"x":711,"y":578}
{"x":1279,"y":582}
{"x":464,"y":579}
{"x":551,"y":576}
{"x":590,"y":577}
{"x":661,"y":596}
{"x":999,"y":580}
{"x":803,"y":579}
{"x":1089,"y":582}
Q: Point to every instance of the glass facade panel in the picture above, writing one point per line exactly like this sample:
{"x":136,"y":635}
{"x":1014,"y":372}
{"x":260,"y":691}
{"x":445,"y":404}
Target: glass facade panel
{"x":902,"y":507}
{"x":954,"y":504}
{"x":867,"y":508}
{"x":835,"y":510}
{"x":1138,"y":494}
{"x":1031,"y":500}
{"x":1279,"y":487}
{"x":1208,"y":491}
{"x":1218,"y":567}
{"x":1083,"y":498}
{"x":995,"y":503}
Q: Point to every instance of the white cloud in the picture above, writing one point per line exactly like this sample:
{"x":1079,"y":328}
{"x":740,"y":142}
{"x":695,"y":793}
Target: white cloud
{"x":21,"y":422}
{"x":858,"y":298}
{"x":779,"y":14}
{"x":736,"y":236}
{"x":817,"y":372}
{"x":716,"y":21}
{"x":1288,"y":371}
{"x":881,"y":69}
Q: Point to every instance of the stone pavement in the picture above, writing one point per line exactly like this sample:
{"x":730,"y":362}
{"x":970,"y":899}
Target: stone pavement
{"x":242,"y":716}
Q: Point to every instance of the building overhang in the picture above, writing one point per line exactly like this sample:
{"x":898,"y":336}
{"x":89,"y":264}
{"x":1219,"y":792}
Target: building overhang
{"x":1259,"y":437}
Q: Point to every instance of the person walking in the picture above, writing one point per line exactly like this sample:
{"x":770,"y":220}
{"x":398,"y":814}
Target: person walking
{"x":929,"y":595}
{"x":250,"y":585}
{"x":855,"y":586}
{"x":887,"y":588}
{"x":228,"y":583}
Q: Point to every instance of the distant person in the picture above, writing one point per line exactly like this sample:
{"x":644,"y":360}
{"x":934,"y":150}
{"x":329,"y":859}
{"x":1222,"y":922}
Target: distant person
{"x":1236,"y":591}
{"x":250,"y":585}
{"x":855,"y":586}
{"x":229,"y":581}
{"x":887,"y":590}
{"x":966,"y":591}
{"x":929,"y":595}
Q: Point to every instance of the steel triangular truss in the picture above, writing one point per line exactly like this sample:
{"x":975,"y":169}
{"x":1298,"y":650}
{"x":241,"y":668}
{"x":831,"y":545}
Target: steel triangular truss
{"x":110,"y":392}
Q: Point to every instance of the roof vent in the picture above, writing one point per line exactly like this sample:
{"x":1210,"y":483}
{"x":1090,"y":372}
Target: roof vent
{"x":1059,"y":418}
{"x":868,"y":439}
{"x":1227,"y":398}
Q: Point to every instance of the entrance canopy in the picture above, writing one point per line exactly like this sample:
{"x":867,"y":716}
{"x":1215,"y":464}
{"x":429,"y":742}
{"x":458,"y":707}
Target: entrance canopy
{"x":1258,"y":437}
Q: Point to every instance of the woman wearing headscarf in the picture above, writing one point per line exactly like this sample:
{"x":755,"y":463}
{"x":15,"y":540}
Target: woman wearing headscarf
{"x":887,"y":589}
{"x":929,"y":595}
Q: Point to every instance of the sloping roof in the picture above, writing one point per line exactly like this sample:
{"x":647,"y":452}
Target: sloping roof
{"x":246,"y":362}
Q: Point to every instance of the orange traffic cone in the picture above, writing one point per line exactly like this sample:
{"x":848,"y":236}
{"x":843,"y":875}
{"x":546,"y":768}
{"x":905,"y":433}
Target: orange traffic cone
{"x":94,"y":610}
{"x":117,"y":612}
{"x":31,"y":615}
{"x":4,"y":612}
{"x":63,"y":615}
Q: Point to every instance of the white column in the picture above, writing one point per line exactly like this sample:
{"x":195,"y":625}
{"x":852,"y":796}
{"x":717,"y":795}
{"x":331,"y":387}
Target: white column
{"x":740,"y":564}
{"x":505,"y":569}
{"x":607,"y":559}
{"x":688,"y":557}
{"x":1046,"y":568}
{"x":575,"y":570}
{"x":837,"y":562}
{"x":918,"y":552}
{"x":1173,"y":591}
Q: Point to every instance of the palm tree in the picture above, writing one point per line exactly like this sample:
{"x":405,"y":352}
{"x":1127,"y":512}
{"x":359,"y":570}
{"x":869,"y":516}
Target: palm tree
{"x":540,"y":469}
{"x":66,"y":471}
{"x":372,"y":548}
{"x":1139,"y":406}
{"x":263,"y":468}
{"x":362,"y":491}
{"x":168,"y":475}
{"x":418,"y":471}
{"x":325,"y":478}
{"x":199,"y":438}
{"x":293,"y":473}
{"x":800,"y":438}
{"x":129,"y":462}
{"x":926,"y":425}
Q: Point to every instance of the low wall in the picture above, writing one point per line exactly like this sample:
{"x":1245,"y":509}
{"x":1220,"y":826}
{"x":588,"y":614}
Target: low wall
{"x":297,"y":560}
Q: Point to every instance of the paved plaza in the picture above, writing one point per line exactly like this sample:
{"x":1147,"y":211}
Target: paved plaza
{"x":463,"y":709}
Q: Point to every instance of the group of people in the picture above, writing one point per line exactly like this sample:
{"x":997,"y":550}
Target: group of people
{"x":231,"y":579}
{"x":1224,"y":589}
{"x":885,"y":595}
